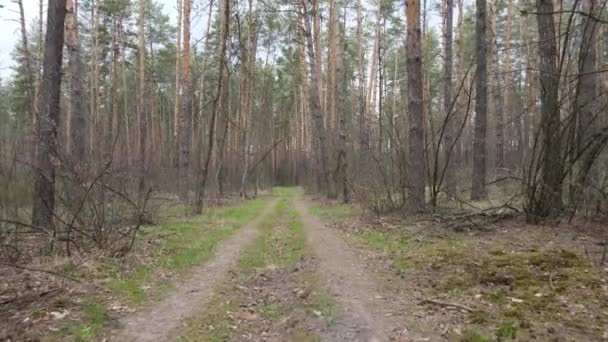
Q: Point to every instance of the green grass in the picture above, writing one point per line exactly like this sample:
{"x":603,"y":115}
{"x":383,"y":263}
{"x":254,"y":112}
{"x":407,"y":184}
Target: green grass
{"x":333,"y":212}
{"x":281,"y":244}
{"x":270,"y":311}
{"x":470,"y":335}
{"x":506,"y":330}
{"x":287,"y":192}
{"x":183,"y":243}
{"x":326,"y":305}
{"x":274,"y":247}
{"x":95,"y":316}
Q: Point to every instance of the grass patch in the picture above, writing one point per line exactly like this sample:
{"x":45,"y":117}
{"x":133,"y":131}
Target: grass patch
{"x":270,"y":311}
{"x":470,"y":335}
{"x":333,"y":211}
{"x":506,"y":330}
{"x":273,"y":255}
{"x":181,"y":244}
{"x":95,"y":316}
{"x":287,"y":192}
{"x":326,"y":306}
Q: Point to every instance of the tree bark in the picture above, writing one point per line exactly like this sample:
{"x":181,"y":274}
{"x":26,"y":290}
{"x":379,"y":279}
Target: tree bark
{"x":588,"y":101}
{"x":415,"y":162}
{"x":79,"y":111}
{"x":448,"y":108}
{"x":185,"y":119}
{"x":315,"y":105}
{"x":478,"y":189}
{"x":47,"y":157}
{"x":141,"y":108}
{"x":549,"y":202}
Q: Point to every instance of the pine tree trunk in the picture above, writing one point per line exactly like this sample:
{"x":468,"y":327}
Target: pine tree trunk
{"x":478,"y":189}
{"x":79,"y":116}
{"x":317,"y":111}
{"x":44,"y":188}
{"x":177,"y":86}
{"x":588,"y":101}
{"x":185,"y":119}
{"x":549,"y":201}
{"x":448,"y":108}
{"x":141,"y":108}
{"x":415,"y":162}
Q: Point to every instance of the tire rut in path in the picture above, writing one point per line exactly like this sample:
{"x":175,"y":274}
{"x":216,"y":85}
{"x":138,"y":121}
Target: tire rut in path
{"x":366,"y":312}
{"x":360,"y":317}
{"x":159,"y":321}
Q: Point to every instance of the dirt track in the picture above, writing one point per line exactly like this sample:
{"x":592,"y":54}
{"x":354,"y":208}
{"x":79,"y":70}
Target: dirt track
{"x":159,"y":322}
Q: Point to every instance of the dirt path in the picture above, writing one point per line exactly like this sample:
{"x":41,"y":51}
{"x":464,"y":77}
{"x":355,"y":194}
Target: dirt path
{"x":158,"y":322}
{"x":365,"y":314}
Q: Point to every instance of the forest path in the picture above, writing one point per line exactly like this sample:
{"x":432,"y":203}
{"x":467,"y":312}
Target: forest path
{"x":159,"y":321}
{"x":366,"y":312}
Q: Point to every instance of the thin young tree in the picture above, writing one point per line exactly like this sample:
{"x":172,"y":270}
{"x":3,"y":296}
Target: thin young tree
{"x":141,"y":108}
{"x":224,"y":32}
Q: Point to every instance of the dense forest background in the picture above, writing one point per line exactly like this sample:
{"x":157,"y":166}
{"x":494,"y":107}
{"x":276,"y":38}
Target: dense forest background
{"x":397,"y":105}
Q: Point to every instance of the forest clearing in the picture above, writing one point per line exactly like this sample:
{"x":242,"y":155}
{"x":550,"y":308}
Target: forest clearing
{"x":303,"y":170}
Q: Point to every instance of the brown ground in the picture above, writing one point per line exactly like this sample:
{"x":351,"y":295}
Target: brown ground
{"x":489,"y":279}
{"x":367,"y":312}
{"x":425,"y":279}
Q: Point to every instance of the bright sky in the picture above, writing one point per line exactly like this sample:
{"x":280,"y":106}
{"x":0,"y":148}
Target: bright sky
{"x":9,"y":27}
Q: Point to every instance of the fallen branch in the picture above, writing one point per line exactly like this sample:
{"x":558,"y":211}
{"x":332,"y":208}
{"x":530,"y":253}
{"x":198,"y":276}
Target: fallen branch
{"x":41,"y":271}
{"x":447,"y":304}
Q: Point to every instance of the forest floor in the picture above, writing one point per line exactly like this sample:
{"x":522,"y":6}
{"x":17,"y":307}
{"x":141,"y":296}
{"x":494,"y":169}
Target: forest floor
{"x":290,"y":268}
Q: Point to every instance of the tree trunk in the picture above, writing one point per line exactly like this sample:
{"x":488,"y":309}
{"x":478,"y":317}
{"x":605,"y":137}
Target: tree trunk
{"x":448,"y":108}
{"x":363,"y":119}
{"x":186,"y":106}
{"x":141,"y":108}
{"x":79,"y":116}
{"x":224,"y":31}
{"x":176,"y":96}
{"x":44,"y":188}
{"x":549,"y":201}
{"x":317,"y":111}
{"x":415,"y":163}
{"x":588,"y":101}
{"x":499,"y":161}
{"x":478,"y":189}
